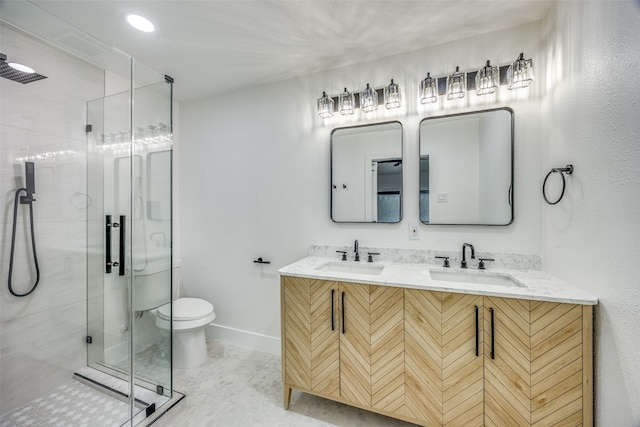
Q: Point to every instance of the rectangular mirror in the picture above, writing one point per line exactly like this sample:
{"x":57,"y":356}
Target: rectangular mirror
{"x":466,"y":168}
{"x":366,"y":173}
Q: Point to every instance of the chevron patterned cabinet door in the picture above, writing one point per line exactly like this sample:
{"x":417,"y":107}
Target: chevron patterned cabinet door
{"x":387,"y":349}
{"x":541,"y":372}
{"x":444,"y":372}
{"x":423,"y":355}
{"x":372,"y":347}
{"x":507,"y":370}
{"x":355,"y":344}
{"x":556,"y":364}
{"x":310,"y":333}
{"x":462,"y":360}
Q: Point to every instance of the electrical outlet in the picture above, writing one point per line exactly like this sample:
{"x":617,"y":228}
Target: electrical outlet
{"x":413,"y":232}
{"x":443,"y":197}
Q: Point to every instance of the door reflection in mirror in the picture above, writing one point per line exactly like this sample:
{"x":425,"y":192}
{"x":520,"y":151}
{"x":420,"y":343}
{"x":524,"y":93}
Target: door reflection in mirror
{"x":366,"y":173}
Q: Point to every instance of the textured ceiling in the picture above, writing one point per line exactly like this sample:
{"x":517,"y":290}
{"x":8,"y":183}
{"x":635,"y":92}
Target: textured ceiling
{"x":215,"y":46}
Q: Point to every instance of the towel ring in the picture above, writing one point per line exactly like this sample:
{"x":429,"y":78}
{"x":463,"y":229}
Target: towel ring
{"x":568,"y":170}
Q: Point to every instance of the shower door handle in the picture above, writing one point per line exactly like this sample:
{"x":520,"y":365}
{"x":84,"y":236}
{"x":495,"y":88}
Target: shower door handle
{"x":120,"y":262}
{"x":107,"y":241}
{"x":123,"y":219}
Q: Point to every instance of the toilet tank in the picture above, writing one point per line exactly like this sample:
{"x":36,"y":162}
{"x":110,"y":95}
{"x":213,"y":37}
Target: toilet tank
{"x":152,"y":282}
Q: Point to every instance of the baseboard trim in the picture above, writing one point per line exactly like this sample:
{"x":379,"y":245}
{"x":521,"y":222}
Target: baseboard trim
{"x":243,"y":338}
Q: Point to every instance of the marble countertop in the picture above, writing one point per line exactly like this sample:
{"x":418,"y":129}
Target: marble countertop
{"x":533,"y":284}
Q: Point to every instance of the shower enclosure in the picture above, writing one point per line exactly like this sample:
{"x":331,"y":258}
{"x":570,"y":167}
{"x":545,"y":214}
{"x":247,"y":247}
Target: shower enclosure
{"x":99,"y":131}
{"x":129,"y":232}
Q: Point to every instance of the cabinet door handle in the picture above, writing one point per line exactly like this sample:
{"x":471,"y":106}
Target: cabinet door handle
{"x":333,"y":325}
{"x":493,"y":354}
{"x":344,"y":329}
{"x":477,"y":332}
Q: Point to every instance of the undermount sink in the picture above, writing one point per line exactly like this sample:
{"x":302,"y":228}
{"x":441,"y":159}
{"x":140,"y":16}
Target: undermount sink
{"x":352,"y":267}
{"x":474,"y":276}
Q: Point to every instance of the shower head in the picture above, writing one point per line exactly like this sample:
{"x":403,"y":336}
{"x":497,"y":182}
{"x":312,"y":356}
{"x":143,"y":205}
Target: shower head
{"x":11,"y":73}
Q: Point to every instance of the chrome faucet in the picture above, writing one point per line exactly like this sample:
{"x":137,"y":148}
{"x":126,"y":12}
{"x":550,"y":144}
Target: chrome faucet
{"x":355,"y":249}
{"x":463,"y":264}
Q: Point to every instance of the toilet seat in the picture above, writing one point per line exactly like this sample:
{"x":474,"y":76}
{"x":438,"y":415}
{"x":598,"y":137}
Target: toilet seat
{"x":186,"y":309}
{"x":188,"y":313}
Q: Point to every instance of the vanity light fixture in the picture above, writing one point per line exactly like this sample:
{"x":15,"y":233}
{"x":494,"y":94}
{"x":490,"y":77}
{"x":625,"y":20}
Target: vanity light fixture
{"x":428,"y":90}
{"x":487,"y":79}
{"x":346,"y":103}
{"x":140,"y":23}
{"x":456,"y":84}
{"x":325,"y":106}
{"x":369,"y":99}
{"x":392,"y":96}
{"x":520,"y":73}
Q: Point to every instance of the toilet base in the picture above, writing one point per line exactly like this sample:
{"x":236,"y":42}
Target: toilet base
{"x":189,"y":348}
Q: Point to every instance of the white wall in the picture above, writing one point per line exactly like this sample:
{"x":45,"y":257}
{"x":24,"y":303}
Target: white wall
{"x":592,"y":237}
{"x":254,"y":172}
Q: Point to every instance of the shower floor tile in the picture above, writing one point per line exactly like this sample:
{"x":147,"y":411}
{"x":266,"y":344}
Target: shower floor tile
{"x":71,"y":404}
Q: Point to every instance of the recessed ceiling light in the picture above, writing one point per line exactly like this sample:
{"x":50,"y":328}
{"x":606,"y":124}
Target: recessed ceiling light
{"x":140,"y":23}
{"x":21,"y":67}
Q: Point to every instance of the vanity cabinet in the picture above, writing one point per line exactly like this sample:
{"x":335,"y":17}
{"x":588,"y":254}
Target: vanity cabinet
{"x":438,"y":358}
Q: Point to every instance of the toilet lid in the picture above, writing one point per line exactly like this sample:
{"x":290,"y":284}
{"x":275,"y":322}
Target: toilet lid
{"x":187,"y":309}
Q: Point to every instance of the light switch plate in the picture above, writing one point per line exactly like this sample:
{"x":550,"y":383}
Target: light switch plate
{"x":413,"y":232}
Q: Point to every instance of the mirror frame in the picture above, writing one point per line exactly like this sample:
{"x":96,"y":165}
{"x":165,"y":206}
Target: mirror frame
{"x":512,"y":146}
{"x":331,"y":172}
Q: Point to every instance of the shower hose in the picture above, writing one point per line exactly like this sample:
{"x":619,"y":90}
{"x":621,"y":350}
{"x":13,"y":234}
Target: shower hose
{"x":13,"y":243}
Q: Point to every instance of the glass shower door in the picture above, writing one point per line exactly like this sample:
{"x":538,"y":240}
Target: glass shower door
{"x":109,"y":171}
{"x":129,"y":243}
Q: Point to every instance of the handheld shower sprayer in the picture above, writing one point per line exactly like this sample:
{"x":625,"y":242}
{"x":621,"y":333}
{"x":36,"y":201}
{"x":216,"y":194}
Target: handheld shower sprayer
{"x":27,"y":199}
{"x":30,"y":184}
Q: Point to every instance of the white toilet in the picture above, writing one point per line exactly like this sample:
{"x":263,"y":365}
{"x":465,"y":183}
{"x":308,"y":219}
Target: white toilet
{"x":190,"y":315}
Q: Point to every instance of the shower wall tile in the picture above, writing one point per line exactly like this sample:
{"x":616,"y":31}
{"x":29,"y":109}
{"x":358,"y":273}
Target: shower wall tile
{"x":42,"y":336}
{"x":55,"y":105}
{"x":60,"y":181}
{"x":62,"y":260}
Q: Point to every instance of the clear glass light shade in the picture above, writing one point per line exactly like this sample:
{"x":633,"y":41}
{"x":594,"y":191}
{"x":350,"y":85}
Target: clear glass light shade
{"x":456,"y":84}
{"x":487,"y":79}
{"x":369,"y":100}
{"x":392,"y":96}
{"x":325,"y":106}
{"x":520,"y":73}
{"x":346,"y":103}
{"x":428,"y":90}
